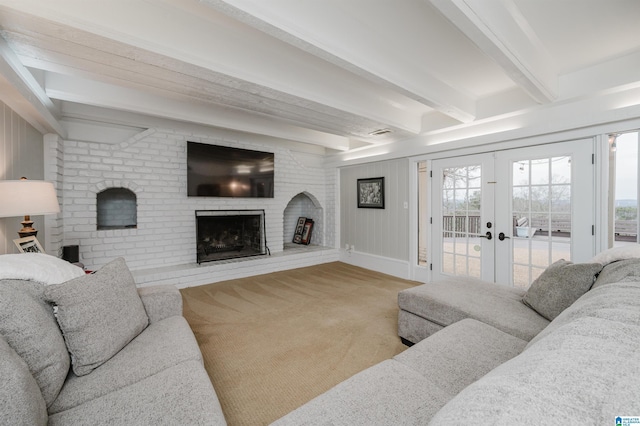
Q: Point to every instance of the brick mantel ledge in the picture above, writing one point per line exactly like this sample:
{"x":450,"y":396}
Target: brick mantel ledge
{"x":192,"y":274}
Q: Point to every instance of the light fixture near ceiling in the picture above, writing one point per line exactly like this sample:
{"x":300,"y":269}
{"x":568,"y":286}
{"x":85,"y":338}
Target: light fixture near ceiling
{"x":380,"y":132}
{"x":613,"y":137}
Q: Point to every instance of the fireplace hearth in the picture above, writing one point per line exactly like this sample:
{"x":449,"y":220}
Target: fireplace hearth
{"x":229,"y":234}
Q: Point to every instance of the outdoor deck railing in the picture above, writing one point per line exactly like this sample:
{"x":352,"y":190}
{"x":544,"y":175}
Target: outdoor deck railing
{"x":624,"y":229}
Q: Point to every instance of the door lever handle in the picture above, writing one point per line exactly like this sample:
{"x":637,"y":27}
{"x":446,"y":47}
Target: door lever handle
{"x":502,"y":237}
{"x":488,"y":235}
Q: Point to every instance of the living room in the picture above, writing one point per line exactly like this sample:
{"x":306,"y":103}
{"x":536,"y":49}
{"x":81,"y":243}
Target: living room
{"x":99,"y":142}
{"x":111,"y":97}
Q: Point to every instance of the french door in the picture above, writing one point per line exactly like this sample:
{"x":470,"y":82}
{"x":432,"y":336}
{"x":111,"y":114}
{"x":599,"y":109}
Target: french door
{"x":462,"y":217}
{"x":506,"y":216}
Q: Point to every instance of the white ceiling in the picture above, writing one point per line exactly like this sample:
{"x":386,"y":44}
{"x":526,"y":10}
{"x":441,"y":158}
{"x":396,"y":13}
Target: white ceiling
{"x":327,"y":73}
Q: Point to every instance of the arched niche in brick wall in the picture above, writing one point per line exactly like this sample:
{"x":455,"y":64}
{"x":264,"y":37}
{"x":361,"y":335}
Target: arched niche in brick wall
{"x":117,"y":209}
{"x":305,"y":205}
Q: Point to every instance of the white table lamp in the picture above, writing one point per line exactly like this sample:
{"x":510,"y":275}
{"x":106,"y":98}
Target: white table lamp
{"x":27,"y":197}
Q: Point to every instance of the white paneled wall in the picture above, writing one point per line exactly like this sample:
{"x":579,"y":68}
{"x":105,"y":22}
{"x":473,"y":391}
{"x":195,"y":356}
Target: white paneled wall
{"x":378,"y":232}
{"x":21,"y":154}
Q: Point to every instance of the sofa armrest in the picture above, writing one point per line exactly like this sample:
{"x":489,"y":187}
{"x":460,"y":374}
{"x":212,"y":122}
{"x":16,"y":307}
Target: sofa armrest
{"x":161,"y":301}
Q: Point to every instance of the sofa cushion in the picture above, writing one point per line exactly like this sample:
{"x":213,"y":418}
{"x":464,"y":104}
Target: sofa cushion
{"x":456,"y":298}
{"x":619,"y":271}
{"x":581,"y":373}
{"x":29,"y":327}
{"x":461,"y":353}
{"x":161,"y":301}
{"x":559,"y":286}
{"x":21,"y":401}
{"x":98,"y":314}
{"x":414,"y":328}
{"x":161,"y":345}
{"x":180,"y":395}
{"x":615,"y":302}
{"x":573,"y":372}
{"x":629,"y":251}
{"x":385,"y":394}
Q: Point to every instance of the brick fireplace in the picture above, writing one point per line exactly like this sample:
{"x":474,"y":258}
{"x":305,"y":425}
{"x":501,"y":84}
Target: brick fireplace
{"x":161,"y":247}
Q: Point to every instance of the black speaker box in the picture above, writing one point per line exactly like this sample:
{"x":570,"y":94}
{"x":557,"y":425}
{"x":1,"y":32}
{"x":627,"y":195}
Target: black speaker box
{"x":71,"y":254}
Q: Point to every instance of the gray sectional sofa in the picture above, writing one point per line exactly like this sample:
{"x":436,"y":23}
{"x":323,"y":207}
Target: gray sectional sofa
{"x":93,"y":349}
{"x":112,"y":354}
{"x":490,"y":355}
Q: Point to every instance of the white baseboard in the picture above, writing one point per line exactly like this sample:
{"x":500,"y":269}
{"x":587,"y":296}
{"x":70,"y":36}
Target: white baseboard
{"x":385,"y":265}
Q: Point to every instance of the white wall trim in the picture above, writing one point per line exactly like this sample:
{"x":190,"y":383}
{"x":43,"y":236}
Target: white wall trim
{"x":395,"y":267}
{"x":534,"y":127}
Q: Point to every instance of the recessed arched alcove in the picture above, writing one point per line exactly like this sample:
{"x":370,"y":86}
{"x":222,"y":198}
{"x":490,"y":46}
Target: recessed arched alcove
{"x":117,"y":208}
{"x":303,"y":205}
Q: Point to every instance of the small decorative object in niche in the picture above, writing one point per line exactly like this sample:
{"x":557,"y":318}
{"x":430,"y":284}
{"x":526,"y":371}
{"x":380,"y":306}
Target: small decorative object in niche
{"x":371,"y":193}
{"x":306,"y":233}
{"x":297,"y":235}
{"x":28,"y":245}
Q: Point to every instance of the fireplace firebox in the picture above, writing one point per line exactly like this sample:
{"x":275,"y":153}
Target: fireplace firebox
{"x":229,"y":234}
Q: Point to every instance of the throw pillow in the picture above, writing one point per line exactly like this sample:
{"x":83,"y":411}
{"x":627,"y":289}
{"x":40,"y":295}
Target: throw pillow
{"x":617,"y":253}
{"x":559,"y":286}
{"x":29,"y":327}
{"x":39,"y":267}
{"x":99,"y":314}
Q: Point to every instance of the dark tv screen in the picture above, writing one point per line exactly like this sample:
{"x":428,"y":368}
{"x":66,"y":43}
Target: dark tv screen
{"x":221,"y":171}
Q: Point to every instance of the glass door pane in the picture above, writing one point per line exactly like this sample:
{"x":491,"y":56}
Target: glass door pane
{"x":461,"y":201}
{"x":624,"y":181}
{"x":423,"y":217}
{"x":541,"y":209}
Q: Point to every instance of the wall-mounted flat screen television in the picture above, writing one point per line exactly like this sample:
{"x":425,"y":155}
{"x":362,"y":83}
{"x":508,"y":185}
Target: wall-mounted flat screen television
{"x":221,"y":171}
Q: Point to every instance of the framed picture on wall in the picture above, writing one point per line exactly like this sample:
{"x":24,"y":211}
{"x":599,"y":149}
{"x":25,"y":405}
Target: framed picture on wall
{"x":371,"y":193}
{"x":28,"y":245}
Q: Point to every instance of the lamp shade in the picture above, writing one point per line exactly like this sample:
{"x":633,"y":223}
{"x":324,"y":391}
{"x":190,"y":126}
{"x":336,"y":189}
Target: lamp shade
{"x":27,"y":197}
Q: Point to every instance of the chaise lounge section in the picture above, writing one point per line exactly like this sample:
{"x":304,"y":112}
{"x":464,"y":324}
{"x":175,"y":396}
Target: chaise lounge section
{"x":429,"y":308}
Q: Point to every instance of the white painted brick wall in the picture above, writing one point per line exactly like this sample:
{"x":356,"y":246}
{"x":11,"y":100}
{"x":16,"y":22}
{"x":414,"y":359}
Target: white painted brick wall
{"x":53,"y":172}
{"x":152,"y":164}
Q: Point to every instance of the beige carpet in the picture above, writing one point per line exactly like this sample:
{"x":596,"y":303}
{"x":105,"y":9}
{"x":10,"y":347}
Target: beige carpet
{"x":273,"y":342}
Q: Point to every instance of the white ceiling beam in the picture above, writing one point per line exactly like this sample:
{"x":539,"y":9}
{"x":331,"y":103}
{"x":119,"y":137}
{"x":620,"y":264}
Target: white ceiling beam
{"x":75,"y":89}
{"x":217,"y":44}
{"x":499,"y":29}
{"x":21,"y":91}
{"x":413,"y":83}
{"x":616,"y":74}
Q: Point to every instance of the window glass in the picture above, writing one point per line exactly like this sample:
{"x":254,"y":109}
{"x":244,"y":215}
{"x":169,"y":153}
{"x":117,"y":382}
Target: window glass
{"x":624,"y":178}
{"x":423,"y":218}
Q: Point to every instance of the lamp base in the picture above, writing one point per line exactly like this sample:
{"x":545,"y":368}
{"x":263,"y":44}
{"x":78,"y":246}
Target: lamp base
{"x":27,"y":228}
